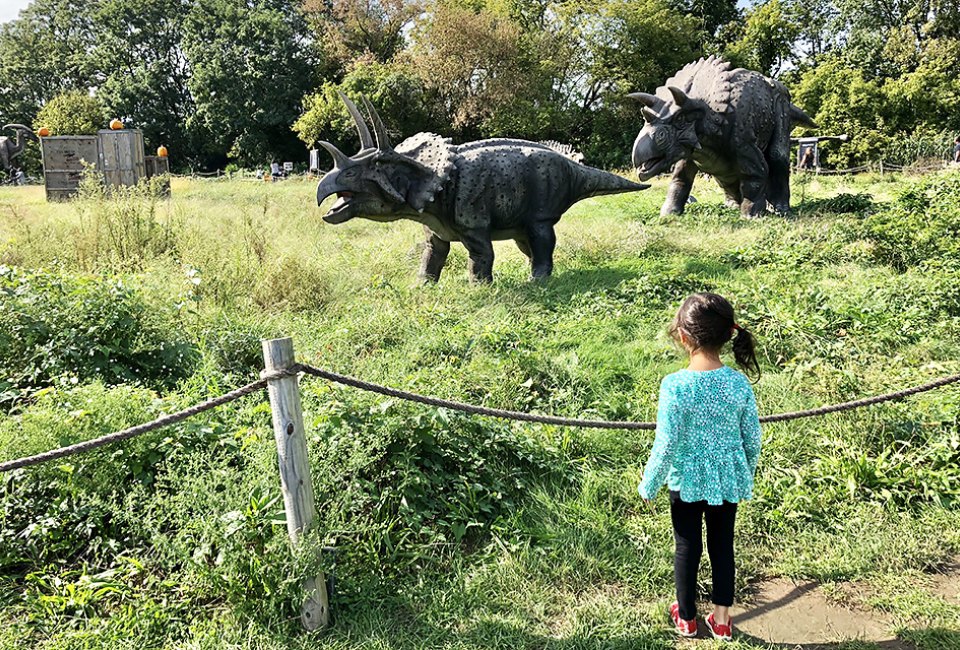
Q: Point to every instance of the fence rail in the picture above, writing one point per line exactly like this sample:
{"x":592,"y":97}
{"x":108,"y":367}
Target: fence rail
{"x":881,"y":166}
{"x":437,"y":402}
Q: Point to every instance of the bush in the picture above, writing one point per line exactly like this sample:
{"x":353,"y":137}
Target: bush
{"x":72,"y":113}
{"x":404,"y":480}
{"x":57,"y":326}
{"x":922,"y":224}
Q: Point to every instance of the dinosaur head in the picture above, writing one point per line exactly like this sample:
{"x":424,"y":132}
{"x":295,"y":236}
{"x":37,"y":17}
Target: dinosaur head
{"x":669,"y":132}
{"x":22,"y":131}
{"x":378,"y":182}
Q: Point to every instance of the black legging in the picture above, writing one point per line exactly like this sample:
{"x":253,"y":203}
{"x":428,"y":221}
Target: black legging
{"x":688,"y":533}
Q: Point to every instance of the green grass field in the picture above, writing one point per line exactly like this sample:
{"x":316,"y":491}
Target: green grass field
{"x":455,"y":531}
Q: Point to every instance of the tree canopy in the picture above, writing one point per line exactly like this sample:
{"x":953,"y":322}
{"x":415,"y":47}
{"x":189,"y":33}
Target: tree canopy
{"x":247,"y":81}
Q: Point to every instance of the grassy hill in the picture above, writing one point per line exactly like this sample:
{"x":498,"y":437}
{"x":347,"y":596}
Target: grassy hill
{"x":455,"y":531}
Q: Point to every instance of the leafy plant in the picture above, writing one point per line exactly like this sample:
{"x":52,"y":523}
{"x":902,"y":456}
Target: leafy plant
{"x":923,"y":223}
{"x":58,"y":326}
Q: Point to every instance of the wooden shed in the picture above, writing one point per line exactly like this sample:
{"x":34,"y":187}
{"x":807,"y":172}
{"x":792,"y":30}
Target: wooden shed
{"x":64,"y":159}
{"x":117,"y":155}
{"x":121,"y":157}
{"x":158,"y":166}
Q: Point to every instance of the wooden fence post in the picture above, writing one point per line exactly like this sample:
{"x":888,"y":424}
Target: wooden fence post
{"x":294,"y":463}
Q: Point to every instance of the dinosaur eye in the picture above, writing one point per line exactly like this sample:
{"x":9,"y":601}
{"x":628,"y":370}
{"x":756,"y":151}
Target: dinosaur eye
{"x":660,"y":137}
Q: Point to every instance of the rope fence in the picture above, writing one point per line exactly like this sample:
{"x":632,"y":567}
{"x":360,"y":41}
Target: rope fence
{"x":437,"y":402}
{"x":882,"y":167}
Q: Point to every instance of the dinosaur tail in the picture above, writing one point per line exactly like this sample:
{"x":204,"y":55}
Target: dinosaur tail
{"x":799,"y":117}
{"x":596,"y":182}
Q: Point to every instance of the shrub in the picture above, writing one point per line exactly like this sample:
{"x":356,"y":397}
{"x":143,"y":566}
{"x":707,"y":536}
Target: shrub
{"x":404,"y":480}
{"x":923,"y":223}
{"x":72,"y":113}
{"x":61,"y":326}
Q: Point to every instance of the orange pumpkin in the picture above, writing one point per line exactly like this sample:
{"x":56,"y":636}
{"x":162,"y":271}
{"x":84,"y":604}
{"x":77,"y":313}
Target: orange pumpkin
{"x":116,"y":124}
{"x":161,"y":151}
{"x":43,"y":132}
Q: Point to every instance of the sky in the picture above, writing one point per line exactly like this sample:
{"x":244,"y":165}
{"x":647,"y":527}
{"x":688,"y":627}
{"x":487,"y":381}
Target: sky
{"x":10,"y":8}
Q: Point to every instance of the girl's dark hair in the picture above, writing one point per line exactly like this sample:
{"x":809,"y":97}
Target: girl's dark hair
{"x":708,"y":322}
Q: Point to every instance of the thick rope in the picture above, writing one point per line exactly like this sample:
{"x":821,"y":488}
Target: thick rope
{"x":431,"y":401}
{"x":147,"y":427}
{"x":606,"y":424}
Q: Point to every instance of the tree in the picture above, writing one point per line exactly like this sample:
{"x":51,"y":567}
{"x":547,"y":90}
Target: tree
{"x":251,"y":65}
{"x":351,"y":29}
{"x":72,"y":113}
{"x":767,"y":39}
{"x":816,"y":23}
{"x":44,"y":52}
{"x":711,"y":15}
{"x":481,"y":69}
{"x":842,"y":100}
{"x":394,"y":88}
{"x":145,"y":73}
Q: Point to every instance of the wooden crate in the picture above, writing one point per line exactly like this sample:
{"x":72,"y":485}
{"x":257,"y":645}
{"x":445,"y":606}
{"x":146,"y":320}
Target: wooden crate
{"x":64,"y":159}
{"x":157,"y":166}
{"x":121,"y":157}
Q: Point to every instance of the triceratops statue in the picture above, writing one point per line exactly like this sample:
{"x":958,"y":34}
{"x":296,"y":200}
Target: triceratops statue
{"x":474,"y":193}
{"x":733,"y":124}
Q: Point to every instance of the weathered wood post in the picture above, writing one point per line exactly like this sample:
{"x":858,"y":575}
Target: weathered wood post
{"x":294,"y":463}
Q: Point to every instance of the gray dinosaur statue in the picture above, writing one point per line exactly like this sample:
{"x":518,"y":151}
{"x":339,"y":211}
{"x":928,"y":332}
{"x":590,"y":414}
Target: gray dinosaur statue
{"x":10,"y":149}
{"x":474,"y":193}
{"x":731,"y":123}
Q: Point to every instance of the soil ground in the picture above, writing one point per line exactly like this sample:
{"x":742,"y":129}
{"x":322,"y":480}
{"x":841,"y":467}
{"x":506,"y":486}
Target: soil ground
{"x":805,"y":615}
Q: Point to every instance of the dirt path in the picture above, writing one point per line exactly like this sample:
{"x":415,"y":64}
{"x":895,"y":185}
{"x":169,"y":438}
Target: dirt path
{"x":805,"y":616}
{"x":799,"y":613}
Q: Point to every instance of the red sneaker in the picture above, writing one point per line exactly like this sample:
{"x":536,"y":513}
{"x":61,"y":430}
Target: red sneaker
{"x":684,"y":628}
{"x":722,"y":632}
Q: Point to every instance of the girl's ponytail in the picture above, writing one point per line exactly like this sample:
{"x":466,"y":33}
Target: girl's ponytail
{"x":744,"y":351}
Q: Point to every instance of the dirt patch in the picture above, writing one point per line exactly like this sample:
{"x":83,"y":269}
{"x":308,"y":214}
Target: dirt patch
{"x":946,"y":583}
{"x":800,"y":614}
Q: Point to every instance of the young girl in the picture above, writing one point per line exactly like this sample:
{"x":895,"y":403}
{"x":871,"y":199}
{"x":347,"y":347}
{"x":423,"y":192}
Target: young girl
{"x":706,"y":450}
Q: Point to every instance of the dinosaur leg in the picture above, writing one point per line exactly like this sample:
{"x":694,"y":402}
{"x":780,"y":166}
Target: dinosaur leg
{"x":524,"y":247}
{"x":684,"y":173}
{"x":779,"y":191}
{"x":543,"y":240}
{"x":731,"y":191}
{"x":480,"y":251}
{"x":753,"y":182}
{"x":434,"y":257}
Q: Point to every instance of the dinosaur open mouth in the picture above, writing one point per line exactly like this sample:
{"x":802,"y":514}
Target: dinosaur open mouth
{"x":338,"y":212}
{"x":651,"y":167}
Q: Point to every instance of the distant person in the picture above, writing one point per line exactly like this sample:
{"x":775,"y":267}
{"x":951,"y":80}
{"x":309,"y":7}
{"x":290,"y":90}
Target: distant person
{"x":275,"y":169}
{"x":706,"y":451}
{"x":956,"y":149}
{"x":806,"y":161}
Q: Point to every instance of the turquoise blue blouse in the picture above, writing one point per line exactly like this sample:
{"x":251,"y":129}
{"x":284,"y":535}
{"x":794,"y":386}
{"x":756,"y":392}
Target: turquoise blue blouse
{"x":708,"y":437}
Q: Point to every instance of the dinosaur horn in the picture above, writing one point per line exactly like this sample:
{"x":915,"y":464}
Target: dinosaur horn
{"x":652,"y":101}
{"x":649,"y":116}
{"x":383,"y":140}
{"x":340,"y":159}
{"x":679,"y":96}
{"x":366,"y":142}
